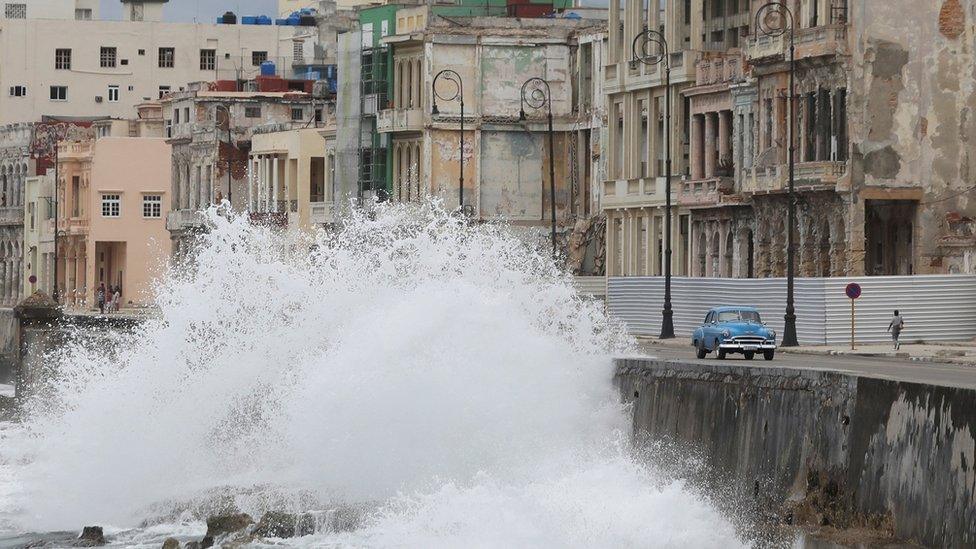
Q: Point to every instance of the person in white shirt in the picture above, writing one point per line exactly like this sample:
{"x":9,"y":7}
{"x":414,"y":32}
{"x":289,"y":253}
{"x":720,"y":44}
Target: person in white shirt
{"x":896,"y":325}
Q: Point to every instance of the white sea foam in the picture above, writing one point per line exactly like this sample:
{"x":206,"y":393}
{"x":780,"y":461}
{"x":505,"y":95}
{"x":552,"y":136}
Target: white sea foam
{"x":445,"y":374}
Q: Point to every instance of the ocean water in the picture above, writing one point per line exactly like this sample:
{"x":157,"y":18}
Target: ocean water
{"x":444,"y":379}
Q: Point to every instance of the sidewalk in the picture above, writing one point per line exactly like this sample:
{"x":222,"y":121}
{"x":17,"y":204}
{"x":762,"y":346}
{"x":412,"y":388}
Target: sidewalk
{"x":962,"y":352}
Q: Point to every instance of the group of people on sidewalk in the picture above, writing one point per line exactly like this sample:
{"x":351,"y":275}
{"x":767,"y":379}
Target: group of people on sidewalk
{"x":108,"y":299}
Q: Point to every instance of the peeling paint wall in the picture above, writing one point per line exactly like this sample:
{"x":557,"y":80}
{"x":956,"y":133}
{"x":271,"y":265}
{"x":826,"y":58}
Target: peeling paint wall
{"x":913,"y":121}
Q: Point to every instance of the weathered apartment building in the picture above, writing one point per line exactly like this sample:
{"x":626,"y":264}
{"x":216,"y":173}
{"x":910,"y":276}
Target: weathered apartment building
{"x":111,"y":225}
{"x":56,"y":65}
{"x":211,"y":130}
{"x":407,"y":151}
{"x":883,"y":113}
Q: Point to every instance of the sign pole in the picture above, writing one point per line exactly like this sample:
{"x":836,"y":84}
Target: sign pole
{"x":853,"y":291}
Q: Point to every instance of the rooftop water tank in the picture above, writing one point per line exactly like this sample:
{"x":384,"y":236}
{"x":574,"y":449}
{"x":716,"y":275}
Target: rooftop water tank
{"x":268,"y":68}
{"x":263,"y":20}
{"x":229,"y":18}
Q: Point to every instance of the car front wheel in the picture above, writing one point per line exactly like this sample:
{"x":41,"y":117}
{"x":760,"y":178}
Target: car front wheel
{"x":749,"y":354}
{"x":768,"y":355}
{"x":701,"y":350}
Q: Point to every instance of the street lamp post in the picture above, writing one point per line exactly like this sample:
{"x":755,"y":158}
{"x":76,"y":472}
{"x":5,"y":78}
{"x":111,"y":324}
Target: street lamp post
{"x":56,"y":169}
{"x":457,"y":95}
{"x":775,"y":19}
{"x":541,"y":95}
{"x":650,"y":48}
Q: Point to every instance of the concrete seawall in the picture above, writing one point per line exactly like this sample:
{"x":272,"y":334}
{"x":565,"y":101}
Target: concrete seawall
{"x":821,"y":447}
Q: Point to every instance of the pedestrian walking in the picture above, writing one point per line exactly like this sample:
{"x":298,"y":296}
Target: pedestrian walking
{"x":117,"y":297}
{"x":100,"y":298}
{"x":896,"y":325}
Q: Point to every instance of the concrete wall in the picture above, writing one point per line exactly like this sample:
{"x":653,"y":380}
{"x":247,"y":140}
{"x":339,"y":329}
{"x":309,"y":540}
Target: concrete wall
{"x":820,"y":447}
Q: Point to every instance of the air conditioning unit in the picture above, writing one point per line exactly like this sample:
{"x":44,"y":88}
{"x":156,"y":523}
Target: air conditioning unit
{"x":98,"y":98}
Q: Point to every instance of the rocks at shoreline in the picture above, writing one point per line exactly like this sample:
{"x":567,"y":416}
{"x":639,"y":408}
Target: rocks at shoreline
{"x":91,"y":536}
{"x":278,"y":524}
{"x":227,"y":524}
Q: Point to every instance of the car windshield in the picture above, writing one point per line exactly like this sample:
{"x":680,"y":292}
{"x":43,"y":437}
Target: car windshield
{"x":733,"y":316}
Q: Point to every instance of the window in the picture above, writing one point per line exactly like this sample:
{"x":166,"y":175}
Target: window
{"x":167,"y":57}
{"x":252,"y":112}
{"x":299,"y":49}
{"x":208,"y":60}
{"x":113,"y":94}
{"x":163,"y":90}
{"x":107,"y":57}
{"x":18,"y":91}
{"x":258,"y":57}
{"x":176,"y":116}
{"x":62,"y":58}
{"x":16,"y":11}
{"x":59,"y":93}
{"x":297,"y":113}
{"x":111,"y":205}
{"x":142,"y":52}
{"x":186,"y":114}
{"x":318,"y":115}
{"x":152,"y":205}
{"x":83,"y":14}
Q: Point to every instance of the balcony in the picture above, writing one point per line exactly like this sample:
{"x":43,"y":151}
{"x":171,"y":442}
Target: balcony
{"x":713,"y":191}
{"x":400,"y":120}
{"x":82,"y":149}
{"x":822,"y":41}
{"x":320,"y":213}
{"x":11,"y":215}
{"x":718,"y":69}
{"x":270,"y":219}
{"x":182,"y":220}
{"x":646,"y":191}
{"x":75,"y":225}
{"x":634,"y":75}
{"x":825,"y":175}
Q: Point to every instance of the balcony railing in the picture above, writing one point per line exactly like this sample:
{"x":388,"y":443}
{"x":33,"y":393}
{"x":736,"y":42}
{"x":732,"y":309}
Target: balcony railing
{"x":825,"y":40}
{"x":632,"y":192}
{"x":715,"y":69}
{"x":706,"y":192}
{"x":181,"y":220}
{"x":320,"y":213}
{"x":400,"y":120}
{"x":270,"y":219}
{"x":775,"y":179}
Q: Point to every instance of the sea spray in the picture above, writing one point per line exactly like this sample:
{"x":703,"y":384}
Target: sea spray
{"x":442,"y":373}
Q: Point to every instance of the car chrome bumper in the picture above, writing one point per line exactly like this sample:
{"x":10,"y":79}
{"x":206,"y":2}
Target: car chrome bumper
{"x":735,"y":346}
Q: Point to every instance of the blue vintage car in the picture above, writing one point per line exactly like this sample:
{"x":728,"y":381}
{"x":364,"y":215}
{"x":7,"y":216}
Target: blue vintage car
{"x":734,"y":330}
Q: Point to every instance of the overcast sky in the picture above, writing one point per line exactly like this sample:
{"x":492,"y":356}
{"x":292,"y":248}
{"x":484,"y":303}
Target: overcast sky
{"x":205,"y":11}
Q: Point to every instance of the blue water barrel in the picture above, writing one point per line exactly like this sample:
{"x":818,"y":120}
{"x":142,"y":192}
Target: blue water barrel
{"x":263,"y":20}
{"x":249,"y":20}
{"x":268,"y":68}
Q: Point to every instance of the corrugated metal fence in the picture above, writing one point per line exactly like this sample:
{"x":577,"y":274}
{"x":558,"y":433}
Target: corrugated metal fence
{"x":935,"y":308}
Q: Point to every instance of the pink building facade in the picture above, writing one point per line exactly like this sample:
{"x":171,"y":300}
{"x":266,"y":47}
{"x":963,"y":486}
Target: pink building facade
{"x":115,"y":196}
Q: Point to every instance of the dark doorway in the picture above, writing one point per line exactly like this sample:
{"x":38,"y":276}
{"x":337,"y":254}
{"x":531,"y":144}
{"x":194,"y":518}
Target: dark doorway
{"x":889,"y":237}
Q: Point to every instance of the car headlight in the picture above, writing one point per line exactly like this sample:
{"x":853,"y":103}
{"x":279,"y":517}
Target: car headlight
{"x":772,"y":334}
{"x":726,"y":333}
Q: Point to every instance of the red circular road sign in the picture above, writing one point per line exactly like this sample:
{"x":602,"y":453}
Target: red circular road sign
{"x":32,"y":279}
{"x":853,"y":290}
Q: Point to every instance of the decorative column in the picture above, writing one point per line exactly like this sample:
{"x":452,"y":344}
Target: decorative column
{"x":724,"y":131}
{"x":697,"y":147}
{"x":276,"y":196}
{"x":709,"y":145}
